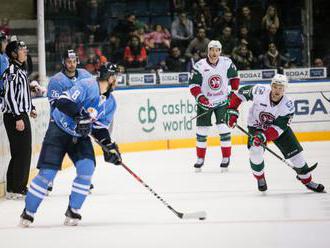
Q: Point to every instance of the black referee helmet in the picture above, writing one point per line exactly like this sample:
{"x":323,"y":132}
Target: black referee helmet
{"x":13,"y":47}
{"x":106,"y":70}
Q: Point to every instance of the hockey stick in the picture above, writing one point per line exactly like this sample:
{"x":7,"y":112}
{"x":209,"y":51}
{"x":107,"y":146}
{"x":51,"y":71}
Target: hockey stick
{"x":328,"y":100}
{"x":201,"y":215}
{"x":274,"y":153}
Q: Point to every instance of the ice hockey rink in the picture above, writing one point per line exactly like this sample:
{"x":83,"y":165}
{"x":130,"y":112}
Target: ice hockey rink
{"x":122,"y":213}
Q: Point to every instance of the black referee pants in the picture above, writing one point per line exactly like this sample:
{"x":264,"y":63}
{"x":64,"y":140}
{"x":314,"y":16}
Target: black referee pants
{"x":20,"y":150}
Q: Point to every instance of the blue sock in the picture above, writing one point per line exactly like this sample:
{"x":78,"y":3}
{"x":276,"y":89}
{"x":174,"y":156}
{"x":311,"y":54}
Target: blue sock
{"x":80,"y":187}
{"x":38,"y":189}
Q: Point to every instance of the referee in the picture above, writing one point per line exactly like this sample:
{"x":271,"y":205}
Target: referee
{"x":17,"y":107}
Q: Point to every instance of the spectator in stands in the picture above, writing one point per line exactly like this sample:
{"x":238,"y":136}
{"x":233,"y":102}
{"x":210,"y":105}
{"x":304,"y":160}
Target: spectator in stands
{"x":254,"y":44}
{"x":182,"y":31}
{"x":126,"y":28}
{"x":198,"y":44}
{"x":272,"y":59}
{"x":81,"y":53}
{"x":93,"y":20}
{"x":112,"y":49}
{"x":220,"y":22}
{"x":202,"y":22}
{"x":270,"y":18}
{"x":219,"y":7}
{"x":243,"y":57}
{"x":248,"y":19}
{"x":192,"y":61}
{"x":318,"y":62}
{"x":272,"y":36}
{"x":95,"y":60}
{"x":4,"y":26}
{"x":175,"y":62}
{"x":228,"y":42}
{"x":158,"y":38}
{"x":135,"y":54}
{"x":140,"y":32}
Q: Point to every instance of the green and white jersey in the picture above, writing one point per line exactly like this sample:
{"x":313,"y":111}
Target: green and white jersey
{"x":263,"y":113}
{"x":214,"y":79}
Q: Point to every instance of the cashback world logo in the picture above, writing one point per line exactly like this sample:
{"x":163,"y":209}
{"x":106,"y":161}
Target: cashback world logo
{"x":168,"y":116}
{"x":147,"y":116}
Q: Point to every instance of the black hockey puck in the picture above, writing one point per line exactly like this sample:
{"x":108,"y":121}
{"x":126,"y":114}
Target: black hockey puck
{"x":202,"y":218}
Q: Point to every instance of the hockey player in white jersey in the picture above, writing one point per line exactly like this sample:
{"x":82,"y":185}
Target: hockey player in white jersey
{"x":269,"y":120}
{"x":212,"y":80}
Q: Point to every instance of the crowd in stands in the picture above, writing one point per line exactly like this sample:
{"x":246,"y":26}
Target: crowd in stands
{"x":172,"y":35}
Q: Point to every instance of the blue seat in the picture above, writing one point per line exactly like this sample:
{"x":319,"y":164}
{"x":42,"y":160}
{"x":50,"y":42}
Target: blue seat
{"x":118,"y":9}
{"x":157,"y":7}
{"x":296,"y":55}
{"x":164,"y":20}
{"x":156,"y":56}
{"x":138,"y":7}
{"x":293,"y":38}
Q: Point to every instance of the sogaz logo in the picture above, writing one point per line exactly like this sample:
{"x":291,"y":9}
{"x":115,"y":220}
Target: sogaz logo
{"x":147,"y":116}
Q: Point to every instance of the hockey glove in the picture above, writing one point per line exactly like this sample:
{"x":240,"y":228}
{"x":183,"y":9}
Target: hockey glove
{"x":231,"y":117}
{"x":112,"y":154}
{"x":84,"y":124}
{"x":258,"y":139}
{"x":203,"y":102}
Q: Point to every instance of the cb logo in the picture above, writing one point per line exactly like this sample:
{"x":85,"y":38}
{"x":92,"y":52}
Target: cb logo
{"x":147,"y":117}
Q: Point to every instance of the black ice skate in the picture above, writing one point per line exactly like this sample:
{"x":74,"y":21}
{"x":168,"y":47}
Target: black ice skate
{"x":26,"y":219}
{"x":262,"y":184}
{"x":198,"y":165}
{"x":316,"y":187}
{"x":224,"y":164}
{"x":71,"y":218}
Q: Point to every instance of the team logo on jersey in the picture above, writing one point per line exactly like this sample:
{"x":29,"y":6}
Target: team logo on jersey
{"x":265,"y":120}
{"x":215,"y":82}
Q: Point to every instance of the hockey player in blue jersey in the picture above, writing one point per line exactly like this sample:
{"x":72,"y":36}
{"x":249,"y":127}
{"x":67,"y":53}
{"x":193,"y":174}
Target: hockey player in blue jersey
{"x":86,"y":108}
{"x":64,"y":80}
{"x":4,"y":62}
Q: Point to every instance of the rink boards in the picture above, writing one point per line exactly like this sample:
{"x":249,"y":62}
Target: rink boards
{"x":159,"y":118}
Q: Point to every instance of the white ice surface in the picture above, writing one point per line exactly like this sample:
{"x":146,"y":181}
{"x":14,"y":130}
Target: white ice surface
{"x":122,"y":213}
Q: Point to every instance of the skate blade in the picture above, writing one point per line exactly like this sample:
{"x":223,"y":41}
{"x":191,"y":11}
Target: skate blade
{"x":71,"y":222}
{"x":24,"y":223}
{"x":198,"y":170}
{"x":224,"y":170}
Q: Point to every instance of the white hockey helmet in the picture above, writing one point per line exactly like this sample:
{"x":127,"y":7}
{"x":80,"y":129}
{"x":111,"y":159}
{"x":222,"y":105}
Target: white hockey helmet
{"x":280,"y":79}
{"x":215,"y":44}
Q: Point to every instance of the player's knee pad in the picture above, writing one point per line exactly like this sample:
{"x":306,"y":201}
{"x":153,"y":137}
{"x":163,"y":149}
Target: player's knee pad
{"x":85,"y":168}
{"x":223,"y":128}
{"x":298,"y":160}
{"x":256,"y":154}
{"x":39,"y":187}
{"x":46,"y":175}
{"x":202,"y":131}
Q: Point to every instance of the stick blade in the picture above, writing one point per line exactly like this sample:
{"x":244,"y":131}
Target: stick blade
{"x":201,"y":215}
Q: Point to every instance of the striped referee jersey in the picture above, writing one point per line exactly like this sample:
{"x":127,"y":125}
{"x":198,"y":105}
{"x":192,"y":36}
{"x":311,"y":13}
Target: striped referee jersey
{"x":17,"y":96}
